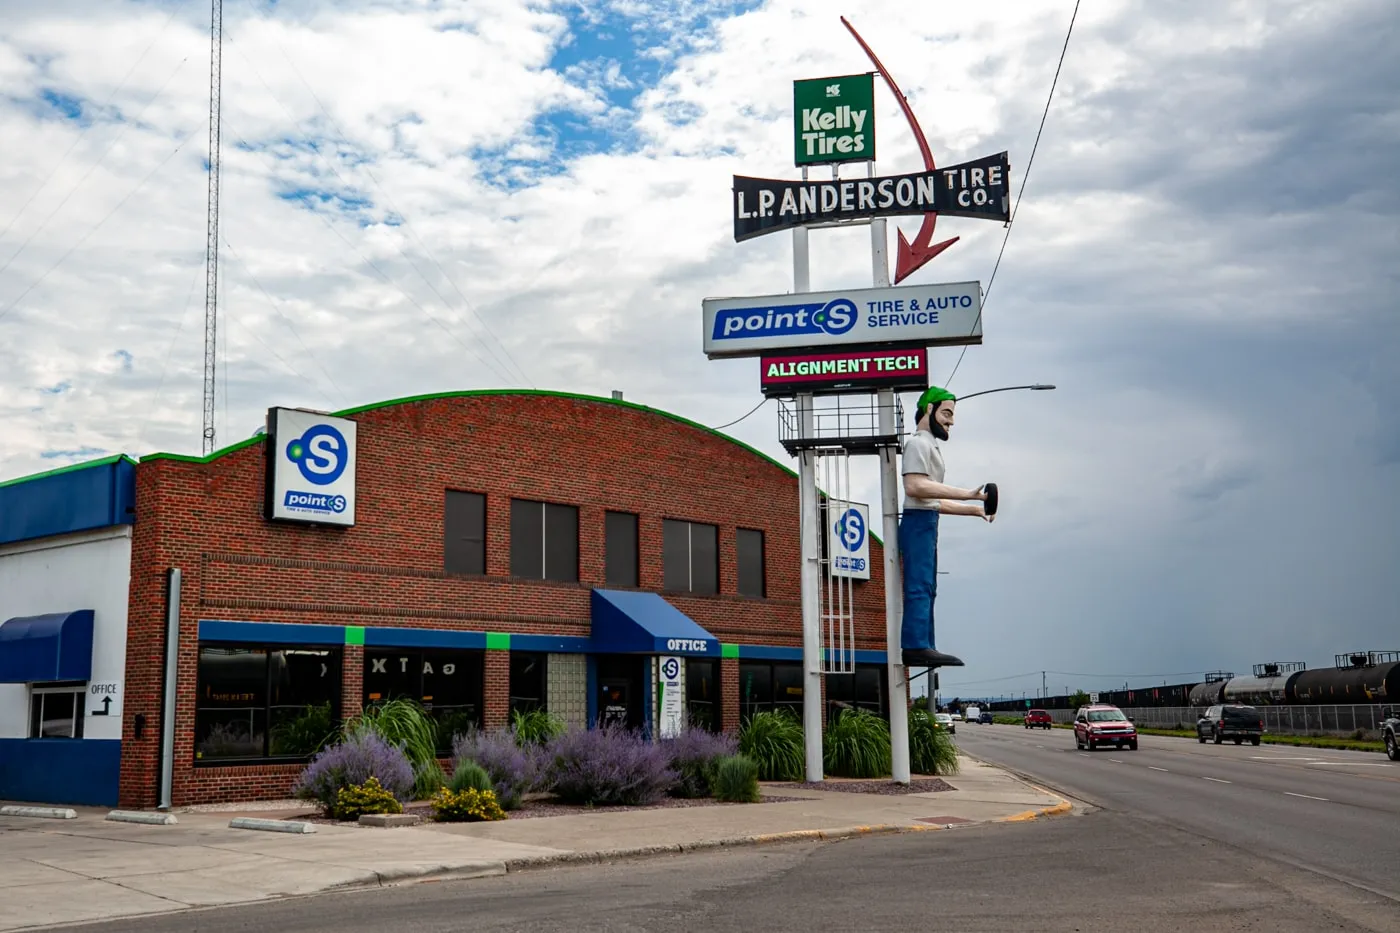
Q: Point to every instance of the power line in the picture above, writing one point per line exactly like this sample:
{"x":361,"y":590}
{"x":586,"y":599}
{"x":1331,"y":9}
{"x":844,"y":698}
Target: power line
{"x":737,"y":420}
{"x":1024,"y":178}
{"x":87,"y":129}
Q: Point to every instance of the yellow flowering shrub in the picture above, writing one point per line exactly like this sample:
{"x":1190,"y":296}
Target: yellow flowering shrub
{"x":468,"y":805}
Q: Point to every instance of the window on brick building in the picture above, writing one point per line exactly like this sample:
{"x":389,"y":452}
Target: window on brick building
{"x":464,"y":532}
{"x":620,"y":549}
{"x":765,"y":686}
{"x":258,"y":702}
{"x":748,"y":551}
{"x":527,"y":681}
{"x":543,"y":540}
{"x":864,"y":689}
{"x":449,"y":683}
{"x":690,"y":556}
{"x":56,"y":710}
{"x":702,"y":707}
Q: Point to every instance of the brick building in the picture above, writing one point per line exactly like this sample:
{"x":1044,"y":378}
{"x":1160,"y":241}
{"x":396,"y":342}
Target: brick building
{"x":509,"y":550}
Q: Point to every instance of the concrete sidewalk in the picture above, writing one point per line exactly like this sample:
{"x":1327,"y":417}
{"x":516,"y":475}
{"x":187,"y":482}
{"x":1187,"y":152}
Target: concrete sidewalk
{"x":90,"y":868}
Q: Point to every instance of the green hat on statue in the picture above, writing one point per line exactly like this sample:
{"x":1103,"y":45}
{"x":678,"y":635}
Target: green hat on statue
{"x":932,"y":396}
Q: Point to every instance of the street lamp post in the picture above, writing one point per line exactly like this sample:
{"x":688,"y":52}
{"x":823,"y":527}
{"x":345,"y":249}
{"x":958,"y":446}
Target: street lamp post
{"x":1038,"y":387}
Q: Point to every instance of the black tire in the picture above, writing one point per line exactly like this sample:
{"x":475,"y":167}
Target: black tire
{"x":1200,"y":738}
{"x":1254,"y":741}
{"x":1392,"y":748}
{"x":1132,"y":746}
{"x":1219,"y":738}
{"x":1238,"y":740}
{"x":1093,"y":746}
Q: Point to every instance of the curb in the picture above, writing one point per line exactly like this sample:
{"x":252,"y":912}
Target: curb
{"x":49,"y":813}
{"x":140,"y":816}
{"x":800,"y":835}
{"x":275,"y":826}
{"x":1064,"y":806}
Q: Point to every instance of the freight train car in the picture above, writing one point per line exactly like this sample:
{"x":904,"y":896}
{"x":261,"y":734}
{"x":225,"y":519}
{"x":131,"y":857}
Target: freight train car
{"x":1364,"y":683}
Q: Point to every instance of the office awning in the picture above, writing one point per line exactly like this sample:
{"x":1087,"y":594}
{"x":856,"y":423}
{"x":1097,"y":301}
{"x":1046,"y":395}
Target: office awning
{"x":48,"y":647}
{"x":626,"y":622}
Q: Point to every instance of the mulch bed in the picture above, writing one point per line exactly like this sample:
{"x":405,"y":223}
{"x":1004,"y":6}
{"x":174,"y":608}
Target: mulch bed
{"x":889,"y":788}
{"x":544,"y":807}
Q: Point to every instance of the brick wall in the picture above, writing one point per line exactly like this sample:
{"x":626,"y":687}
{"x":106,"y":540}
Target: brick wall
{"x":206,"y":518}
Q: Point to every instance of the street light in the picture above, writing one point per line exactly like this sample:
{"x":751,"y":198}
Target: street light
{"x":1038,"y":387}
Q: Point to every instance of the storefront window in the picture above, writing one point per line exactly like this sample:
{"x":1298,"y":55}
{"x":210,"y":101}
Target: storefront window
{"x":863,"y":689}
{"x":748,"y":553}
{"x":56,"y":711}
{"x":265,"y":702}
{"x":689,"y":557}
{"x":448,"y":683}
{"x":768,"y":685}
{"x":527,"y":681}
{"x":702,"y":707}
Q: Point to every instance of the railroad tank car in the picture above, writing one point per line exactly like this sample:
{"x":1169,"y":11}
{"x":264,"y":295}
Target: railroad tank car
{"x":1208,"y":693}
{"x":1259,"y":691}
{"x":1375,"y":683}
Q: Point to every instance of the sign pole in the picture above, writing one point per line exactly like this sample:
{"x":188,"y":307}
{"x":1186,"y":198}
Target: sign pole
{"x":811,"y":581}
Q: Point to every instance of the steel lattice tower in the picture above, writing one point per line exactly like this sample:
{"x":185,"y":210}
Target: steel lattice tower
{"x":211,"y":242}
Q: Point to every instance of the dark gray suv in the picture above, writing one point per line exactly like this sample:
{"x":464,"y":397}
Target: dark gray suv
{"x":1230,"y":722}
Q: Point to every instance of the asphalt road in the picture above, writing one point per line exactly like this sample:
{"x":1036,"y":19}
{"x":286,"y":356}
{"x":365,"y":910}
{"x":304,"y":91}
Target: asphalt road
{"x":1103,"y":872}
{"x":1334,"y":813}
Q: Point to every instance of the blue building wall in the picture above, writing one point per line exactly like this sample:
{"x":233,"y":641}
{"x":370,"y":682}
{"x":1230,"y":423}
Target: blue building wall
{"x":85,"y":497}
{"x":73,"y":771}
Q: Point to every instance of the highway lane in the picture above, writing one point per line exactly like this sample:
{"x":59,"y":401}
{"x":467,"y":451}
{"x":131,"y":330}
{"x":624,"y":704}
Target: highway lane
{"x":1331,"y":812}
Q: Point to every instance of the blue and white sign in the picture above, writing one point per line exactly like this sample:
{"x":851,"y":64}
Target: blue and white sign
{"x":848,"y":539}
{"x":311,"y":467}
{"x":928,"y":315}
{"x":670,"y":696}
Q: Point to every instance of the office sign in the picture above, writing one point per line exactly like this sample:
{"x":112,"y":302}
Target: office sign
{"x":848,"y":371}
{"x":670,"y":688}
{"x":848,"y":539}
{"x":907,"y":316}
{"x":834,"y":119}
{"x":980,"y":188}
{"x":310,"y":467}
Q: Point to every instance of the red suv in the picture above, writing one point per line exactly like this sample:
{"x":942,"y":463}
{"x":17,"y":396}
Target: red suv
{"x":1038,"y":717}
{"x":1102,"y":724}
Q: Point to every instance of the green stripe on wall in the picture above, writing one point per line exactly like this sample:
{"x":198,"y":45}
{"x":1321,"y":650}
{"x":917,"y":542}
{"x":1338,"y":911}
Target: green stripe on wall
{"x":354,"y":634}
{"x":497,"y":641}
{"x":728,"y":651}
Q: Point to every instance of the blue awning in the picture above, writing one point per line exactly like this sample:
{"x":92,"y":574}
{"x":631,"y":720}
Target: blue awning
{"x":49,"y":647}
{"x":626,"y":622}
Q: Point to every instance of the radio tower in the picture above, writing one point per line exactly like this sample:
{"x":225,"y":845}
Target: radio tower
{"x":211,"y":242}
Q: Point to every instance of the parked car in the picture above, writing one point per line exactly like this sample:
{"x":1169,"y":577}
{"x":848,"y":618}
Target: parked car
{"x":946,"y":721}
{"x":1235,"y":721}
{"x":957,"y":717}
{"x":1038,"y":719}
{"x":1102,"y":724}
{"x":1390,"y":731}
{"x":985,"y":717}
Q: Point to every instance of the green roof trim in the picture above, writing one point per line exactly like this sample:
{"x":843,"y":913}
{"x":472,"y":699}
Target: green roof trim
{"x":71,"y":468}
{"x":207,"y":458}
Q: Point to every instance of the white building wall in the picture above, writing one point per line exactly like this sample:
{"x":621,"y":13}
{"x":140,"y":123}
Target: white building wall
{"x":88,"y":570}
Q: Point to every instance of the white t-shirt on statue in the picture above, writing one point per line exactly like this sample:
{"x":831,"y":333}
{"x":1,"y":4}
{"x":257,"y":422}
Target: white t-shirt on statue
{"x":922,"y":454}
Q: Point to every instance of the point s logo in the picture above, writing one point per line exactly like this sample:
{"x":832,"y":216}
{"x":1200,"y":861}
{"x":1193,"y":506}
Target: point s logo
{"x":321,"y":454}
{"x":850,"y":530}
{"x":833,"y":317}
{"x":670,"y":669}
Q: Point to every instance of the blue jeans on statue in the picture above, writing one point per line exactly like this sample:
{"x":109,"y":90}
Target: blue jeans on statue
{"x":918,"y":554}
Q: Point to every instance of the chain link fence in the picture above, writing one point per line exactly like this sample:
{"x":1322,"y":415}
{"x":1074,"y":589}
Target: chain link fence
{"x":1339,"y":720}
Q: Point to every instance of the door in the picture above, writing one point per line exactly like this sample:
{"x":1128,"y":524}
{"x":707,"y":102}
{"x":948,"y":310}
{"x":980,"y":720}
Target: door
{"x":622,"y":688}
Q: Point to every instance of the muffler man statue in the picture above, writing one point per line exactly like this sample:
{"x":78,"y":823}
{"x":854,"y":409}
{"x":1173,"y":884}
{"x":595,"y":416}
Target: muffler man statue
{"x":926,"y":498}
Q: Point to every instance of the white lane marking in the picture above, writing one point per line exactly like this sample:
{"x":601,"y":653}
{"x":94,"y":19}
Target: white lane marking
{"x":1354,"y":764}
{"x":1040,"y":746}
{"x":1285,"y":758}
{"x":1116,"y":760}
{"x":1308,"y":796}
{"x":1217,"y":780}
{"x":1155,"y":768}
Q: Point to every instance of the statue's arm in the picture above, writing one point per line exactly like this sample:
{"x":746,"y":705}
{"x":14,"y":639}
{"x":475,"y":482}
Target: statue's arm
{"x":919,"y":486}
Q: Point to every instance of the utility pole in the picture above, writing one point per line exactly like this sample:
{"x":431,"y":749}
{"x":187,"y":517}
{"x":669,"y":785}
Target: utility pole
{"x":211,"y":240}
{"x":1043,"y":694}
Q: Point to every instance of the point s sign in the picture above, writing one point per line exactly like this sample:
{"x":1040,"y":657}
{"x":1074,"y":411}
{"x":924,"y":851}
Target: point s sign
{"x":310,"y":467}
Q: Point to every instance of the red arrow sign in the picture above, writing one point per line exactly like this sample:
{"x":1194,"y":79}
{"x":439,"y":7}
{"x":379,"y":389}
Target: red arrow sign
{"x":910,"y":256}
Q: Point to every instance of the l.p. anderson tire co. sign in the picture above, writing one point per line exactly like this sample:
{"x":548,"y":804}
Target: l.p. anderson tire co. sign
{"x":980,"y":188}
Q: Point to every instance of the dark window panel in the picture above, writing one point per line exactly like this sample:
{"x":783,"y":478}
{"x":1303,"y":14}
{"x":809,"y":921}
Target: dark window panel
{"x":527,"y":539}
{"x":561,"y":542}
{"x":755,"y":687}
{"x":621,"y":551}
{"x":231,"y":709}
{"x":702,"y":694}
{"x":303,"y":700}
{"x":675,"y":554}
{"x":464,"y":532}
{"x":704,"y":557}
{"x":748,"y":545}
{"x":527,"y":680}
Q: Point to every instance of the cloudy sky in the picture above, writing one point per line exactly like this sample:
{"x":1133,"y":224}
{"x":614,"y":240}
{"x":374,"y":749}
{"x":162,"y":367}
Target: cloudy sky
{"x":425,"y":195}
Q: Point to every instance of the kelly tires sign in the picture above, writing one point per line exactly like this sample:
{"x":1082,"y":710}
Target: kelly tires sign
{"x":834,"y":119}
{"x":311,"y":467}
{"x":908,"y":316}
{"x":980,"y":188}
